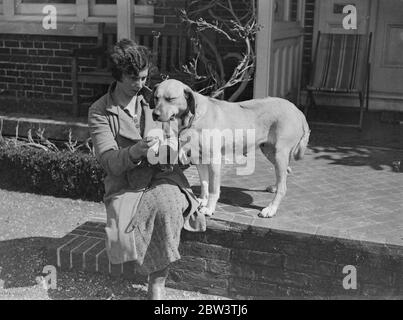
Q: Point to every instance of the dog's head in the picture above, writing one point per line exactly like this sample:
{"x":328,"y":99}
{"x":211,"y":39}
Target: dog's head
{"x":172,"y":99}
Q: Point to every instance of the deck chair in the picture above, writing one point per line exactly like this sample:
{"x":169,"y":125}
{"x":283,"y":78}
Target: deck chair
{"x":341,"y":65}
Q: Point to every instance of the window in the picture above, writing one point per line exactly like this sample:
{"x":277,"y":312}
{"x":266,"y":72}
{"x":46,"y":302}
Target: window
{"x":143,"y":2}
{"x":294,"y":10}
{"x":49,"y":1}
{"x":105,"y":1}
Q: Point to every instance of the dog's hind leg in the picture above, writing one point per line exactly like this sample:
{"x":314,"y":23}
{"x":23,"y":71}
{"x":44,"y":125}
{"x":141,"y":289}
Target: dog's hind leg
{"x":281,"y":165}
{"x":268,"y":151}
{"x":204,"y":177}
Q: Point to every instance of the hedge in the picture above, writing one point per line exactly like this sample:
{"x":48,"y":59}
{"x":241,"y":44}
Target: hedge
{"x":64,"y":174}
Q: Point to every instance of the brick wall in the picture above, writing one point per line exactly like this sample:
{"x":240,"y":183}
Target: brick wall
{"x":242,"y":261}
{"x":247,"y":262}
{"x":39,"y":67}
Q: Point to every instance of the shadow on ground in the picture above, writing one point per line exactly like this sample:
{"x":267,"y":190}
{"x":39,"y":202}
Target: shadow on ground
{"x":22,"y":262}
{"x":360,"y":156}
{"x":235,"y":196}
{"x":376,"y":132}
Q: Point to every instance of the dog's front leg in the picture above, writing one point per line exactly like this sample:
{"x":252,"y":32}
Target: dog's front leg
{"x":214,"y":171}
{"x":204,"y":177}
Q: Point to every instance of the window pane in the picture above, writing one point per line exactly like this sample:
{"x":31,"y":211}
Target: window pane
{"x":114,"y":2}
{"x":293,"y":10}
{"x":49,"y":1}
{"x":105,"y":1}
{"x":279,"y":10}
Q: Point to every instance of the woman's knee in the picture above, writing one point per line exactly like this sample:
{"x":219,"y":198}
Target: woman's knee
{"x":168,"y":200}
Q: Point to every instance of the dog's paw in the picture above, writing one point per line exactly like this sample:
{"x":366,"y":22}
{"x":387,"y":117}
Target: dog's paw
{"x":268,"y":212}
{"x":271,"y":189}
{"x":202,"y":201}
{"x":206,"y":211}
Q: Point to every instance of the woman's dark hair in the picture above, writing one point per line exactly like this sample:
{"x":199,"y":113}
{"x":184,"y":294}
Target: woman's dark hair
{"x":127,"y":57}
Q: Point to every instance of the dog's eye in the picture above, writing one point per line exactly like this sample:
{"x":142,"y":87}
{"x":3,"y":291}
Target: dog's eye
{"x":169,"y":99}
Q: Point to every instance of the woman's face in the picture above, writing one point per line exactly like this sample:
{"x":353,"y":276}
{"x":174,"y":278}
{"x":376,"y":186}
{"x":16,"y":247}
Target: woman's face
{"x":131,"y":85}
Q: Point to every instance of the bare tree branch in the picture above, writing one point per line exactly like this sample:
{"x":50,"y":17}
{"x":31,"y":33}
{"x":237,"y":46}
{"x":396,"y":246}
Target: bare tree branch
{"x":238,"y":26}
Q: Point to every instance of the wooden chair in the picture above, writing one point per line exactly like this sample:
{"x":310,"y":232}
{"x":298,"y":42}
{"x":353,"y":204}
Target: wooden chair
{"x":169,"y":47}
{"x":341,"y":65}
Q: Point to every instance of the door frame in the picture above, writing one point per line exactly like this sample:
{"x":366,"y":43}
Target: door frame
{"x":264,"y":44}
{"x":265,"y":18}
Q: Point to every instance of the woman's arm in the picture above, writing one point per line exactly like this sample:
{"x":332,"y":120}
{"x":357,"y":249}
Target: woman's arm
{"x":115,"y":161}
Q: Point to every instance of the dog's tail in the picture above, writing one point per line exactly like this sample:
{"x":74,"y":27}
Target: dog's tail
{"x":299,"y":150}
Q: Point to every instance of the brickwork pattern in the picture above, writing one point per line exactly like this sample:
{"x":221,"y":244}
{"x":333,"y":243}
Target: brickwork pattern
{"x":247,"y":262}
{"x":36,"y":67}
{"x":39,"y":67}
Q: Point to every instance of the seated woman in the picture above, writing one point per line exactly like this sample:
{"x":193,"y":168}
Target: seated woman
{"x":146,"y":207}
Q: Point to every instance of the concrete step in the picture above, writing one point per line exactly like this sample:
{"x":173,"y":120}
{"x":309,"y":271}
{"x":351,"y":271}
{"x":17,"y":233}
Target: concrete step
{"x":247,"y":262}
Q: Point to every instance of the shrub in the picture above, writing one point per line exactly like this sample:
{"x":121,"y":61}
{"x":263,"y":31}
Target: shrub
{"x":61,"y":173}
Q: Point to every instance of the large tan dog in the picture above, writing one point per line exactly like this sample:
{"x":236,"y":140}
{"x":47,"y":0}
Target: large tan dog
{"x":280,"y":130}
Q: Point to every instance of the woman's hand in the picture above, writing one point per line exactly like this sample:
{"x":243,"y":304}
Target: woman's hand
{"x":140,"y":149}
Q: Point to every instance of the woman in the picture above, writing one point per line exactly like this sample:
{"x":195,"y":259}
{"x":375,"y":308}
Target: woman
{"x":146,"y":207}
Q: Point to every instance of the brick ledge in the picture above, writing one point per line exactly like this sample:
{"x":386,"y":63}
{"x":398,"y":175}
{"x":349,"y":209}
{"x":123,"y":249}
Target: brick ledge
{"x":243,"y":261}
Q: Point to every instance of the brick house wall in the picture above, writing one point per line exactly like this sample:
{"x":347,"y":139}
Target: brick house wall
{"x":38,"y":67}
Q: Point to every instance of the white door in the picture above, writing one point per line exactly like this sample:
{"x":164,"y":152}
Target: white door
{"x":279,"y":48}
{"x":387,"y":66}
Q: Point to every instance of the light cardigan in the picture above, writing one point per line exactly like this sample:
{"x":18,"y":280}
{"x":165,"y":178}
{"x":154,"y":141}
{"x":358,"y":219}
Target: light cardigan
{"x":113,"y":132}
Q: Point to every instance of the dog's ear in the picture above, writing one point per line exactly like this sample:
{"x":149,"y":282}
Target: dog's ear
{"x":151,"y":100}
{"x":191,"y":100}
{"x":191,"y":107}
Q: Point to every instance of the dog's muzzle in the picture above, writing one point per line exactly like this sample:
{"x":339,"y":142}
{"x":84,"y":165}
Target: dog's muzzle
{"x":155,"y":117}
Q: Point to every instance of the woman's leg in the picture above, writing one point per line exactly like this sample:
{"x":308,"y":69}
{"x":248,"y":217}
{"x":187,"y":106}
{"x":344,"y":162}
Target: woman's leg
{"x":157,"y":235}
{"x":156,"y":284}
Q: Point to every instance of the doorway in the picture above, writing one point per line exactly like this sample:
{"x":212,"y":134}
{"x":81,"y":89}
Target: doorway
{"x":279,"y":48}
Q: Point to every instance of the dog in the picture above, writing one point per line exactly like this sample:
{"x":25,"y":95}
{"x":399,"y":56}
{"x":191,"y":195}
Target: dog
{"x":280,"y":131}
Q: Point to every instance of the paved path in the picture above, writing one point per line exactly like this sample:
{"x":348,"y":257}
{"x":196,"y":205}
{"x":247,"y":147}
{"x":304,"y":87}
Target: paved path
{"x":345,"y":192}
